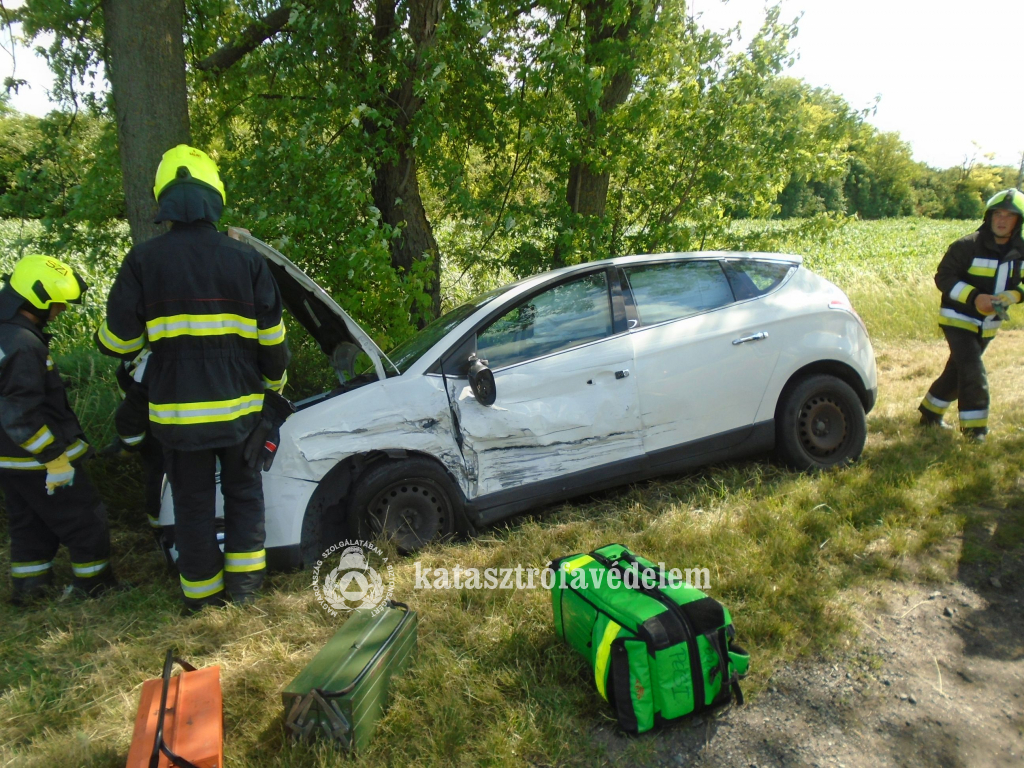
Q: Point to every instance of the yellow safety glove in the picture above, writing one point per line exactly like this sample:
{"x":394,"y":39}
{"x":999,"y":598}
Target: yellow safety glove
{"x":1008,"y":297}
{"x":59,"y":473}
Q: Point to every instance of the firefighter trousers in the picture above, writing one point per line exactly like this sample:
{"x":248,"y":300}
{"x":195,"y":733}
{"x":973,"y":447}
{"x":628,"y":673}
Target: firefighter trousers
{"x":38,"y":524}
{"x":963,"y":379}
{"x":205,"y":573}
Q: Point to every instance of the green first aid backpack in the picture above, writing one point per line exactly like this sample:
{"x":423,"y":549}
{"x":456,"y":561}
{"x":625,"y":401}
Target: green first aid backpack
{"x":660,"y":650}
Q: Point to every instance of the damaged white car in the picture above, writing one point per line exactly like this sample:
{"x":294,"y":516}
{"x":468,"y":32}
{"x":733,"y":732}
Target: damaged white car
{"x":565,"y":383}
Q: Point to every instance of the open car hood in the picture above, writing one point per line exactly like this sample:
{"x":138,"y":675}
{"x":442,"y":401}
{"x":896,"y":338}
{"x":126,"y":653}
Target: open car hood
{"x":338,"y":335}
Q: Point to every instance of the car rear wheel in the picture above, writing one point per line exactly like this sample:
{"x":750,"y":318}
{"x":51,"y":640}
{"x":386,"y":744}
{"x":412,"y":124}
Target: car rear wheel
{"x":820,"y":424}
{"x":411,"y":502}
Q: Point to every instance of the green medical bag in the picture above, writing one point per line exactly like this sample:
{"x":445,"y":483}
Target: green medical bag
{"x":660,"y":649}
{"x":343,"y":691}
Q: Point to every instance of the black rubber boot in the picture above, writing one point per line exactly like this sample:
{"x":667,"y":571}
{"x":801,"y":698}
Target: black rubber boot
{"x":32,"y":590}
{"x":929,"y":419}
{"x":98,"y":586}
{"x":976,"y":434}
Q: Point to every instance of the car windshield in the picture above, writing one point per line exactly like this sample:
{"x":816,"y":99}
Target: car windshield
{"x":411,"y":350}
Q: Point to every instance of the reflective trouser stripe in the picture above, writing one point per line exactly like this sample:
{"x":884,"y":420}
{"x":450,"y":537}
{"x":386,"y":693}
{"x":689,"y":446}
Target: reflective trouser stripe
{"x":134,"y":439}
{"x":118,"y":345}
{"x":935,"y":405}
{"x":74,"y":450}
{"x":25,"y":570}
{"x":244,"y":562}
{"x":961,"y":292}
{"x":39,"y":440}
{"x":85,"y":570}
{"x":200,"y":325}
{"x":204,"y":413}
{"x":974,"y":418}
{"x":197,"y":590}
{"x":604,"y":650}
{"x":271,"y":336}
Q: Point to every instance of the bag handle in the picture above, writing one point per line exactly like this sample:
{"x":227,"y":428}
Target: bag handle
{"x":159,"y":745}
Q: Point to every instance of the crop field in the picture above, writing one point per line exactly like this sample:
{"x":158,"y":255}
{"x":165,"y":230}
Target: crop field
{"x":789,"y":554}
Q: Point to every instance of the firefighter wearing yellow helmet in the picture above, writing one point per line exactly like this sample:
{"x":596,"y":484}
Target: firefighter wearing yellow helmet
{"x":49,"y":498}
{"x":210,"y":312}
{"x":979,"y":277}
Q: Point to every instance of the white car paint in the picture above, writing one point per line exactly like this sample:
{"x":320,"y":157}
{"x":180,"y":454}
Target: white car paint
{"x":558,"y":414}
{"x":566,"y":411}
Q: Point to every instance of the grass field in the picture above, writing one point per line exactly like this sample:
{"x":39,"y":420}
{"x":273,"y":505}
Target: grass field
{"x":491,"y":685}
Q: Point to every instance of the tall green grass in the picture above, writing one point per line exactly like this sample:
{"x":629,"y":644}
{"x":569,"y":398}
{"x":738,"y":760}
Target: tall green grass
{"x":788,"y":553}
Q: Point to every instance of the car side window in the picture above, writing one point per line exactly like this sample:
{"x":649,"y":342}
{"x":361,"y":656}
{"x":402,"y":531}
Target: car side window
{"x":565,"y":316}
{"x":674,"y":289}
{"x":750,"y":279}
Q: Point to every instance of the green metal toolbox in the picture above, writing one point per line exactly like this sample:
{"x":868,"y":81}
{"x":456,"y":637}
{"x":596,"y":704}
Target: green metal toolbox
{"x":342,"y":692}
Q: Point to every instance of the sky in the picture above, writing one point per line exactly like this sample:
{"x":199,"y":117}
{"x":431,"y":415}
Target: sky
{"x":947,"y":72}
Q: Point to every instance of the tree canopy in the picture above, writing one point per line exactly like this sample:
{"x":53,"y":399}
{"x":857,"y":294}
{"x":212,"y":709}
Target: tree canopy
{"x":376,"y":141}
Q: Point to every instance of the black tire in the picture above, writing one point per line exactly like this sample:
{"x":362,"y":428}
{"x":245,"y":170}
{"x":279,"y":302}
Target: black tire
{"x":820,"y":424}
{"x":426,"y":498}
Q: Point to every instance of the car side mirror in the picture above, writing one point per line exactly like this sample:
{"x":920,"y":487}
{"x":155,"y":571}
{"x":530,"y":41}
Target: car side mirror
{"x":481,"y":381}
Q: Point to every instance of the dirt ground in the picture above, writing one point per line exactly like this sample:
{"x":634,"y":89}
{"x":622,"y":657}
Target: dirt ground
{"x":936,"y":679}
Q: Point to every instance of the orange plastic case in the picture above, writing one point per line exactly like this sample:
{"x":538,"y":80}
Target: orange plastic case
{"x":180,"y":721}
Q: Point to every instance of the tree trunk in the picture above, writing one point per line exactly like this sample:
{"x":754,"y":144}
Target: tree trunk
{"x":145,"y":61}
{"x":607,"y":46}
{"x":396,"y":181}
{"x":396,"y":189}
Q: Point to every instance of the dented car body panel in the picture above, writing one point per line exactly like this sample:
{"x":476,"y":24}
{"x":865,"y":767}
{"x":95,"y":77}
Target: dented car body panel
{"x":597,"y":383}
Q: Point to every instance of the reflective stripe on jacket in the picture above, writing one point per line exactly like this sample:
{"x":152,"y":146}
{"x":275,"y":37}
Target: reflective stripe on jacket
{"x":210,"y":311}
{"x":973,"y":266}
{"x":37,"y":423}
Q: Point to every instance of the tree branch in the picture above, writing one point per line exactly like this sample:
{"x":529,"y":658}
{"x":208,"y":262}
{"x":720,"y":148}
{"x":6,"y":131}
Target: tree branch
{"x":252,"y":37}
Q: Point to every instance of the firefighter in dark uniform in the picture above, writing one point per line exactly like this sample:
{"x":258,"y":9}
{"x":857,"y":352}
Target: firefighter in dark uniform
{"x":979,"y":274}
{"x":50,"y":500}
{"x":210,"y":311}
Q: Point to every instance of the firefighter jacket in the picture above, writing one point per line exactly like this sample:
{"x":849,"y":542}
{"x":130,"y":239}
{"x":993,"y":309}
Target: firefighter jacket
{"x":210,"y":311}
{"x":38,"y":424}
{"x":975,"y":265}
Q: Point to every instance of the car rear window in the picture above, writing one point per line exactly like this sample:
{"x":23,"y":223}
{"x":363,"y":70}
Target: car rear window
{"x":750,"y":279}
{"x":565,"y":316}
{"x":674,"y":289}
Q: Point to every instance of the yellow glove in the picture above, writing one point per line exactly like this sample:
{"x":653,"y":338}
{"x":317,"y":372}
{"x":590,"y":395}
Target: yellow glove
{"x":1008,"y":297}
{"x":59,"y":473}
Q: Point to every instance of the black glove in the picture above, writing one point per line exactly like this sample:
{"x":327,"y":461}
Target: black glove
{"x":116,"y":450}
{"x":261,"y":445}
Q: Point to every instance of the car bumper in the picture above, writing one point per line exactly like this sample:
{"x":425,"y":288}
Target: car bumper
{"x":870,"y":398}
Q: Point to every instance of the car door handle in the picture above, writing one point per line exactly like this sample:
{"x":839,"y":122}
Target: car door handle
{"x":621,"y":374}
{"x":753,"y":337}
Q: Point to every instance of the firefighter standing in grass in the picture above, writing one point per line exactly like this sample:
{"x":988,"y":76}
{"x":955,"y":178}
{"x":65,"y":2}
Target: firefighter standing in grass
{"x":979,"y":274}
{"x":50,"y":500}
{"x":210,"y":311}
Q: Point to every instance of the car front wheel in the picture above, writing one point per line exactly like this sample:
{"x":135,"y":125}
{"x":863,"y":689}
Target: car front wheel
{"x":411,"y":502}
{"x":820,"y":424}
